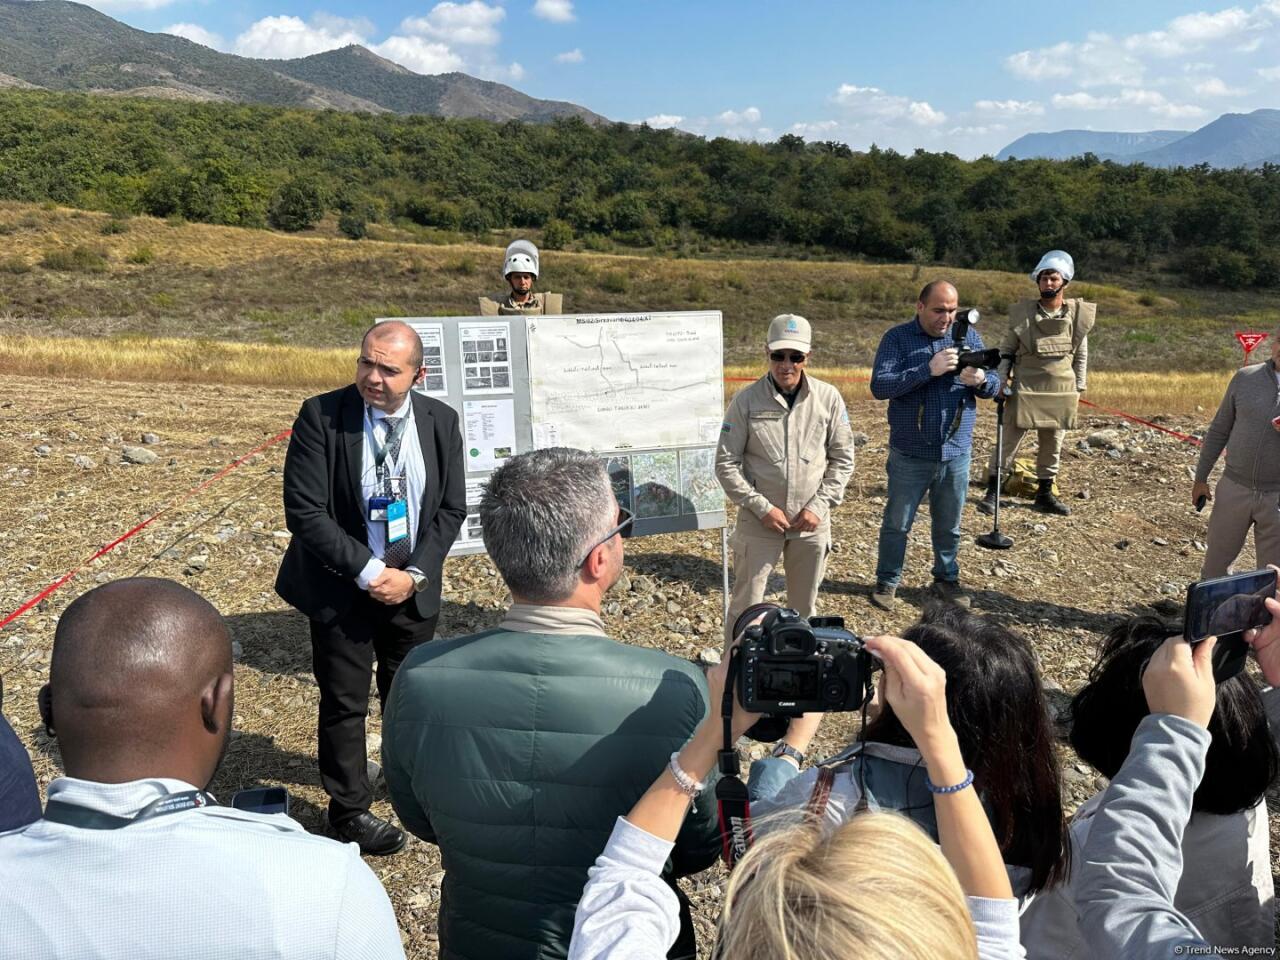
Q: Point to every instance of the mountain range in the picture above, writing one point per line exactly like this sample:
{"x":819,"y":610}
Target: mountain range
{"x":59,"y":45}
{"x":1233,"y":140}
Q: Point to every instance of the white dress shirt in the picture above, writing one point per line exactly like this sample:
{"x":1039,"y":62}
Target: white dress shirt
{"x":409,"y":463}
{"x":211,"y":882}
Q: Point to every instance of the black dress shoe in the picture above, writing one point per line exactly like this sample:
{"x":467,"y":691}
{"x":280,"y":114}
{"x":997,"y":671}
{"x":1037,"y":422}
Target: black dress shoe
{"x":375,"y":836}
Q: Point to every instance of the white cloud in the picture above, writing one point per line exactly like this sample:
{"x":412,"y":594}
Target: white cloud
{"x":1099,"y":60}
{"x":875,"y":103}
{"x":464,"y":24}
{"x":285,"y":38}
{"x":733,"y":118}
{"x":817,"y":129}
{"x":1194,"y":31}
{"x":570,"y":56}
{"x":1152,"y":101}
{"x":557,"y":11}
{"x":334,"y":24}
{"x":1269,"y":73}
{"x":196,"y":34}
{"x":419,"y":55}
{"x":1009,"y":108}
{"x":1214,"y":87}
{"x":661,"y":120}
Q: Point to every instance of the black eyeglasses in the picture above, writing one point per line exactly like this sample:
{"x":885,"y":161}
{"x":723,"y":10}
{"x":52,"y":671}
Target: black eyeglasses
{"x":625,"y":519}
{"x":796,"y":358}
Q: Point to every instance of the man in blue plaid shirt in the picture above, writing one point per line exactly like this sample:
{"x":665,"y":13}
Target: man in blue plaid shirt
{"x":932,"y":407}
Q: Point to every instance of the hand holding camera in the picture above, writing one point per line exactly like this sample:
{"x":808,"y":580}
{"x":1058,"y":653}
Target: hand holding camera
{"x":916,"y":689}
{"x":972,"y":376}
{"x":944,"y":361}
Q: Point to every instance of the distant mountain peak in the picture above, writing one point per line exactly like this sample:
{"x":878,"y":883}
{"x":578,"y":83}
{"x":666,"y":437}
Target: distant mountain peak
{"x":61,"y":45}
{"x":1232,"y":140}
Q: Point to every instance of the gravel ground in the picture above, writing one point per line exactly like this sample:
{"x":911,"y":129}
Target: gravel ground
{"x":1132,"y":541}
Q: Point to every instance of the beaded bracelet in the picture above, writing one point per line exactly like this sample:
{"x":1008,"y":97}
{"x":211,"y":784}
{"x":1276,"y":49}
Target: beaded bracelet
{"x":966,"y":782}
{"x":686,"y":783}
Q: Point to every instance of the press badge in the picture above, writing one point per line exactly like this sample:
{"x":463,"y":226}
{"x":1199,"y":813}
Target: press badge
{"x":397,"y":521}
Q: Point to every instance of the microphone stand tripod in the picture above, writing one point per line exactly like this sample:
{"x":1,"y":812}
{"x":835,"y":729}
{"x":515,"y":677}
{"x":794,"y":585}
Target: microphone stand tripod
{"x":994,"y":539}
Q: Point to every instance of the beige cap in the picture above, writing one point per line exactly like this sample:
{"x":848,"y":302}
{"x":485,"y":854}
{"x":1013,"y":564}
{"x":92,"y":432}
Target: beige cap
{"x":789,"y":331}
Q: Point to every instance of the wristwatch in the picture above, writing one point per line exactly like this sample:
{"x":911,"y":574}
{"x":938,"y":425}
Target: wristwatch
{"x":784,"y":749}
{"x":419,"y":580}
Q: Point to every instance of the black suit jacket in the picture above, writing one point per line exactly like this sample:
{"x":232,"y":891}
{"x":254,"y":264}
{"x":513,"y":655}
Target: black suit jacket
{"x":324,"y":505}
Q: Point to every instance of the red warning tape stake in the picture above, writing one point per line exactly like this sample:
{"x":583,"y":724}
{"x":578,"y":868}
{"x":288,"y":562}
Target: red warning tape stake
{"x":1185,"y":437}
{"x":39,"y":597}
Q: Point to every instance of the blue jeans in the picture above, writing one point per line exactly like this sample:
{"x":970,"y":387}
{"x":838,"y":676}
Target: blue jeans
{"x":910,"y":478}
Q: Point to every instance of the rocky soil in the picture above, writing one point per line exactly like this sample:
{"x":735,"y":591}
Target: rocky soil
{"x":83,"y":463}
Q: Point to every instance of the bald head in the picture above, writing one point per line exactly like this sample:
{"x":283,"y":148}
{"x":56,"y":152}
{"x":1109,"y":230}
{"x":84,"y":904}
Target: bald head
{"x":141,"y":674}
{"x":395,"y":333}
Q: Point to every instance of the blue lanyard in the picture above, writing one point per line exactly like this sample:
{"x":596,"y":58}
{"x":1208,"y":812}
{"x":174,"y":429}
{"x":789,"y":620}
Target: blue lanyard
{"x":74,"y":815}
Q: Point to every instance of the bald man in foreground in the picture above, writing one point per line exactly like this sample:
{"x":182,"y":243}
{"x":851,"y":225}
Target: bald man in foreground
{"x":374,"y":495}
{"x":133,"y":858}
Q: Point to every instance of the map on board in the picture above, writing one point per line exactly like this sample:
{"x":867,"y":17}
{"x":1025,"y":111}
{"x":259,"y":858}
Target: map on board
{"x":626,"y":382}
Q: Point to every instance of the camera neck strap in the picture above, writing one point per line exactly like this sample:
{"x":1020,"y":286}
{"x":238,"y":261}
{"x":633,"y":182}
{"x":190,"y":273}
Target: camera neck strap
{"x":74,"y":815}
{"x":731,"y":793}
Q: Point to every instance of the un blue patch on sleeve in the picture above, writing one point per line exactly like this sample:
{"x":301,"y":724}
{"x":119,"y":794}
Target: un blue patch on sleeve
{"x":725,"y":427}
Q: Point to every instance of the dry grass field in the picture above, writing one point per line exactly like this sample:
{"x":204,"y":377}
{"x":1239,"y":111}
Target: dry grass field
{"x":209,"y":338}
{"x":75,"y":273}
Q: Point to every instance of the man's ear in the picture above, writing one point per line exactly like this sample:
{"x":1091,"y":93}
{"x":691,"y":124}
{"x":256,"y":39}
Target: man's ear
{"x":217,"y":703}
{"x":420,"y":375}
{"x":44,"y":701}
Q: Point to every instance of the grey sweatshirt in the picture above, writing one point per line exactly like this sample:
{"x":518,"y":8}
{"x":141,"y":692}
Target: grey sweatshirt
{"x":1242,"y":426}
{"x":1133,"y":857}
{"x":628,"y":913}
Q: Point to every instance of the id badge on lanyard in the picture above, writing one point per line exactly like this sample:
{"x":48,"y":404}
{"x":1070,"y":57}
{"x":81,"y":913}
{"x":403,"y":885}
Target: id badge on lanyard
{"x":392,"y":508}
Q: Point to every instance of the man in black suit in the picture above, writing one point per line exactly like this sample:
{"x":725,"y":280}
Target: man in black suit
{"x":374,"y":494}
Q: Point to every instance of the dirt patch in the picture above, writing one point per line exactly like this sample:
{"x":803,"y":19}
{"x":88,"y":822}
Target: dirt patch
{"x":67,"y":489}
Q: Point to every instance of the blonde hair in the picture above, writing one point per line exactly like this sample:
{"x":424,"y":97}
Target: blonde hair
{"x":876,"y":886}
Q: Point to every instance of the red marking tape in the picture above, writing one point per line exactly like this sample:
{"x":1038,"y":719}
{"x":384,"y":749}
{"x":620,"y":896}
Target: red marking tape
{"x":140,"y":527}
{"x":1185,"y":437}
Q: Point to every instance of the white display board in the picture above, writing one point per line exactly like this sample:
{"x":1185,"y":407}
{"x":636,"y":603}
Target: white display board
{"x":644,"y":391}
{"x":626,"y":382}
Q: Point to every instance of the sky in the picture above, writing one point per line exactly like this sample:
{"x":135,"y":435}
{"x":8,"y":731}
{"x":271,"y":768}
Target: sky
{"x":967,"y":78}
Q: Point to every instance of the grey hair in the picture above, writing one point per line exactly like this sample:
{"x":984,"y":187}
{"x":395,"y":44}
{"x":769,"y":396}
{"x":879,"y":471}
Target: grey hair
{"x":541,"y":511}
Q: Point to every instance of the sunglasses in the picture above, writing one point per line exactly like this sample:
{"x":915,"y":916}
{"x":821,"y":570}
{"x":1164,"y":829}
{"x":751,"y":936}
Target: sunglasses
{"x":625,"y":519}
{"x":778,"y":356}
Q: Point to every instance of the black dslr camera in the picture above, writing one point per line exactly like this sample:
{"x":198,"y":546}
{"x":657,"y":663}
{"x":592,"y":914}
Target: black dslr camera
{"x":791,"y":666}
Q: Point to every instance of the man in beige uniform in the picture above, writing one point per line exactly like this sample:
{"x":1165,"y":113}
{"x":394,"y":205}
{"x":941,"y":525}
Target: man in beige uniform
{"x":1047,"y":350}
{"x":1248,"y":495}
{"x":785,"y":457}
{"x":520,"y":270}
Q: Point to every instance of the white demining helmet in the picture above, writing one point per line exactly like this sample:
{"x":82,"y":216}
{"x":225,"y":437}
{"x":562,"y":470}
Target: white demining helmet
{"x":522,"y":257}
{"x":1058,"y":260}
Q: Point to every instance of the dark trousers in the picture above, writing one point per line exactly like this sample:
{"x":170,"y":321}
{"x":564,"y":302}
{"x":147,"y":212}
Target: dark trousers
{"x":342,"y":657}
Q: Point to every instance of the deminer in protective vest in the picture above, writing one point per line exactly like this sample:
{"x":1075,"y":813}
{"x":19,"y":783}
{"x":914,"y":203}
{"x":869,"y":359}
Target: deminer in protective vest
{"x":520,"y":270}
{"x":1044,"y":356}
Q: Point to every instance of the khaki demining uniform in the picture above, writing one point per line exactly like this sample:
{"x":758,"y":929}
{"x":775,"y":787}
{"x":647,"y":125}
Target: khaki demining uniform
{"x":1051,"y":355}
{"x":793,"y":458}
{"x":538,"y":303}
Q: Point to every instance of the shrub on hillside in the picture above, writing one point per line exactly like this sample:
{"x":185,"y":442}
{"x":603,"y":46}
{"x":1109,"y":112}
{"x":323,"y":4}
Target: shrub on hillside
{"x":557,"y":235}
{"x":296,"y":205}
{"x":142,"y":256}
{"x":353,"y":226}
{"x":79,"y":259}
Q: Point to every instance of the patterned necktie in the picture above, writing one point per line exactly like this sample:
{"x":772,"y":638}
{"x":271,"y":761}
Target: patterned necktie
{"x":394,"y":554}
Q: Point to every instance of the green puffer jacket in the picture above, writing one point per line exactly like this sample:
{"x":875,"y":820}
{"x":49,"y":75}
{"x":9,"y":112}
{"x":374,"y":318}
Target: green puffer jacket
{"x":516,"y":752}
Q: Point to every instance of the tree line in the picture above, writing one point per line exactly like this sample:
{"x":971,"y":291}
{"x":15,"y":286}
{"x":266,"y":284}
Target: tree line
{"x":266,"y":166}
